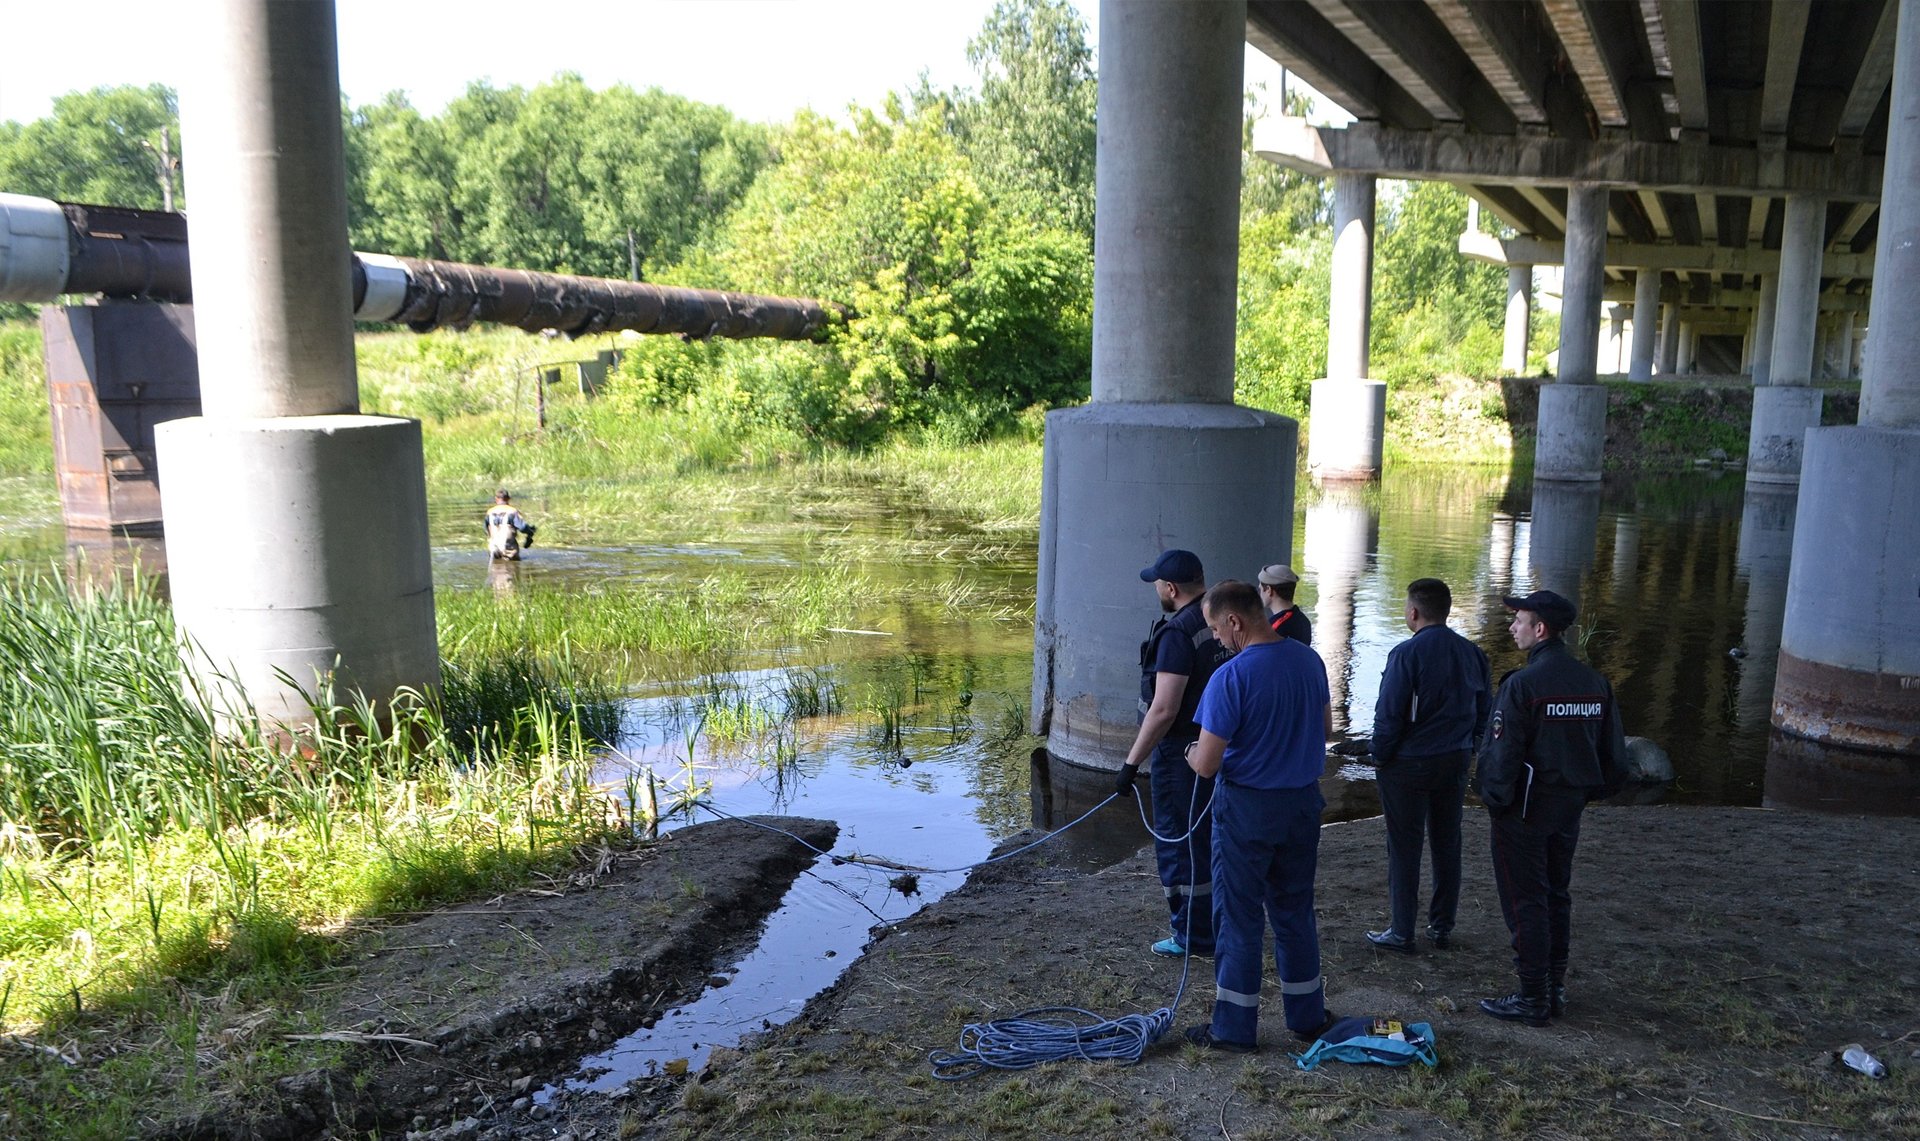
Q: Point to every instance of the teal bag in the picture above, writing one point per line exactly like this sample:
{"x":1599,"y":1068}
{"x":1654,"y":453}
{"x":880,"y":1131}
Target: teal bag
{"x":1352,"y":1040}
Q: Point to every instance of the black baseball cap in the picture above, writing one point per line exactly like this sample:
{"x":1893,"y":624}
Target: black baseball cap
{"x":1175,"y":566}
{"x":1554,"y":610}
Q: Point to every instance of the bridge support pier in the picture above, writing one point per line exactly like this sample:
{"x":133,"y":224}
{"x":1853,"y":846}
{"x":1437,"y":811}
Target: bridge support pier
{"x":1161,"y":457}
{"x":1846,"y":701}
{"x":296,"y":528}
{"x":1346,"y":438}
{"x":1787,"y":405}
{"x":1571,"y":432}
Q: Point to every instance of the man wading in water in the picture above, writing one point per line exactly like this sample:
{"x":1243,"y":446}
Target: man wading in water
{"x":507,"y":530}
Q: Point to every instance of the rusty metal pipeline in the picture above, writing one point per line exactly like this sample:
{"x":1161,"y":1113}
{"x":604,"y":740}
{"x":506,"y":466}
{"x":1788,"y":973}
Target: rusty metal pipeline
{"x":49,"y":248}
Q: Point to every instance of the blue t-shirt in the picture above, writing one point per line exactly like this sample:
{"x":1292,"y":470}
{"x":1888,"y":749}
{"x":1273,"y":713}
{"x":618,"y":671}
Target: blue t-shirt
{"x":1268,"y":702}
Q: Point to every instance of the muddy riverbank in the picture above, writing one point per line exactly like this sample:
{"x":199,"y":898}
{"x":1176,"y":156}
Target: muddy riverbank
{"x":446,"y":1025}
{"x":1720,"y":956}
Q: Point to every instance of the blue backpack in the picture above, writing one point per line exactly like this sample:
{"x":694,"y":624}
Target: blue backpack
{"x":1361,"y":1040}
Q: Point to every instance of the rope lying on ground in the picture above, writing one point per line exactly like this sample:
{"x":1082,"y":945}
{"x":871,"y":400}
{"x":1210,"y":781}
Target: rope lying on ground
{"x":1047,"y":1033}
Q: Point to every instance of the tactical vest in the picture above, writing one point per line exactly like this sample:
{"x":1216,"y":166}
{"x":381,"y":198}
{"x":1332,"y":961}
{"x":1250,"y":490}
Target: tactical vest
{"x":1208,"y":654}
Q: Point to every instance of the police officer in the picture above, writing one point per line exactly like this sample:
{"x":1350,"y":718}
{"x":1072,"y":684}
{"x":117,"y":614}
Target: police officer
{"x":1176,"y":660}
{"x":1553,"y":744}
{"x":1434,"y":699}
{"x":1264,"y":724}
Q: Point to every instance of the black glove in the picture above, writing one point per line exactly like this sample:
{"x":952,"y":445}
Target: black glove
{"x":1123,"y":783}
{"x":527,"y":539}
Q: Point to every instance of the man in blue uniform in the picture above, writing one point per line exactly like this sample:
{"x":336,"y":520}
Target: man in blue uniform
{"x":1264,"y":724}
{"x":1434,"y":700}
{"x":1176,"y":660}
{"x":1553,"y":744}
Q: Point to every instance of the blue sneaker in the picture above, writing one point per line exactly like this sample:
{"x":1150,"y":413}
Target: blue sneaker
{"x":1170,"y":947}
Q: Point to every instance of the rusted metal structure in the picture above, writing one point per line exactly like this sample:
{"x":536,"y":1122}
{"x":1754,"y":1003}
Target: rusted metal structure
{"x":127,"y":361}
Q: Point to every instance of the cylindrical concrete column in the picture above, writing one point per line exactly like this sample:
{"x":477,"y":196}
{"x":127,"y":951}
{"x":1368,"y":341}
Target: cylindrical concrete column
{"x":1571,"y":432}
{"x":1688,"y":345}
{"x":1843,"y":346}
{"x":1796,"y":311}
{"x":1350,"y":301}
{"x":296,"y":531}
{"x":261,"y":113}
{"x":1168,"y":187}
{"x":1346,"y":437}
{"x":1161,"y":458}
{"x":1646,"y":303}
{"x":1822,"y":344}
{"x":1846,"y":697}
{"x":1519,"y":330}
{"x":1857,"y":363}
{"x":1786,"y":406}
{"x":1762,"y":356}
{"x":1669,"y":339}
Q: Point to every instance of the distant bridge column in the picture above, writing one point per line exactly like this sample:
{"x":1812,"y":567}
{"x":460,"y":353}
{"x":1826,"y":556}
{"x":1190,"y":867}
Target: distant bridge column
{"x":1843,"y":347}
{"x":296,"y":528}
{"x":1689,"y":347}
{"x":1162,"y":457}
{"x":1513,"y":355}
{"x":1847,"y":696}
{"x":1346,"y":437}
{"x":1787,"y":405}
{"x":1571,"y":433}
{"x":1669,"y":338}
{"x":1646,"y":303}
{"x":1763,"y":328}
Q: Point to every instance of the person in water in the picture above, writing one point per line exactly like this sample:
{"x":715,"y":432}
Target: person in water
{"x":507,"y":530}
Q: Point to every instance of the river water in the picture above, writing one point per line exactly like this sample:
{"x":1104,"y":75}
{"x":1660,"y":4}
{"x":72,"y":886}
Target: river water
{"x":1680,"y":580}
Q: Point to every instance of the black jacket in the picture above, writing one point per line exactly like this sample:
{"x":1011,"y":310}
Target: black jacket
{"x":1434,"y":697}
{"x":1558,"y":715}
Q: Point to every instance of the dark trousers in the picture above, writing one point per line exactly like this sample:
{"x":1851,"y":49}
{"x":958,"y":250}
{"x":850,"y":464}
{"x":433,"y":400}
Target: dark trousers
{"x":1266,"y":848}
{"x":1533,"y":868}
{"x":1180,"y":802}
{"x":1421,"y":797}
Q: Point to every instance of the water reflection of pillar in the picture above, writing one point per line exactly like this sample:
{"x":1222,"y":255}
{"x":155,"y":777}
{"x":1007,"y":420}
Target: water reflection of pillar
{"x":1626,"y":557}
{"x":1342,"y":531}
{"x":1562,"y":539}
{"x":1765,"y":554}
{"x":1500,"y":553}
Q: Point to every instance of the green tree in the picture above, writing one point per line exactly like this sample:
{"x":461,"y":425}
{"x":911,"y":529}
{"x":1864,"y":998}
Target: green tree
{"x":102,"y":146}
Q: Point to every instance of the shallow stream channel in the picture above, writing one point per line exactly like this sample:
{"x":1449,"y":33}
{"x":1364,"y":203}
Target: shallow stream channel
{"x":906,"y":722}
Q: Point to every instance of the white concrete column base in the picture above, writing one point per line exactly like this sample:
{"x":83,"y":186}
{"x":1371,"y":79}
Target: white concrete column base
{"x":294,"y":543}
{"x":1121,"y":483}
{"x":1346,"y":437}
{"x":1782,"y":413}
{"x":1850,"y":646}
{"x":1570,"y":437}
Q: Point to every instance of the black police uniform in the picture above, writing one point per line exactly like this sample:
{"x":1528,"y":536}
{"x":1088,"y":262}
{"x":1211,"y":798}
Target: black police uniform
{"x":1181,"y":643}
{"x":1554,"y":743}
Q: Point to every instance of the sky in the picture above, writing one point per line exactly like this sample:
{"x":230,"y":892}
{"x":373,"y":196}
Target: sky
{"x":762,"y":59}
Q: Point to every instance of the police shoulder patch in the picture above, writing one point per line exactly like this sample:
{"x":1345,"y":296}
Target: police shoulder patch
{"x":1499,"y":723}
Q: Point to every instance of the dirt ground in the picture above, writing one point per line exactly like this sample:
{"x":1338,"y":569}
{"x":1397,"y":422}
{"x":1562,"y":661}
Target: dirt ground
{"x":446,"y":1023}
{"x":1721,"y":956}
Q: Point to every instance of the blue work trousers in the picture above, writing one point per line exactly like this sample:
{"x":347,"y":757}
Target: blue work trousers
{"x":1180,"y":802}
{"x":1266,"y":845}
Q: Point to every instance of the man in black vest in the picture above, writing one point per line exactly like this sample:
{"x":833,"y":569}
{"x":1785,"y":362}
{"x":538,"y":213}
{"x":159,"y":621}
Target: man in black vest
{"x":1554,"y":743}
{"x":1176,"y":660}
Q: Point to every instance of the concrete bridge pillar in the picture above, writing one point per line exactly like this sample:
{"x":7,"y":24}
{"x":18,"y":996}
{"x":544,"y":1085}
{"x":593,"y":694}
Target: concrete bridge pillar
{"x":1646,"y":303}
{"x":1843,"y":347}
{"x":1346,"y":439}
{"x":1849,"y":673}
{"x":296,"y":528}
{"x":1689,"y":344}
{"x":1787,"y":405}
{"x":1669,"y":339}
{"x":1763,"y":328}
{"x":1162,"y":457}
{"x":1519,"y":330}
{"x":1571,"y":433}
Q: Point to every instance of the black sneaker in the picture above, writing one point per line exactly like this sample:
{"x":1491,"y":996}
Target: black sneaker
{"x":1441,"y":940}
{"x":1390,"y":941}
{"x":1202,"y":1036}
{"x":1313,"y":1035}
{"x":1530,"y":1010}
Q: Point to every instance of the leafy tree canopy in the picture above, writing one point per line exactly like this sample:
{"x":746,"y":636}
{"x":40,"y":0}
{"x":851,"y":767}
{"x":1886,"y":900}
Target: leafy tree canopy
{"x":102,"y":146}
